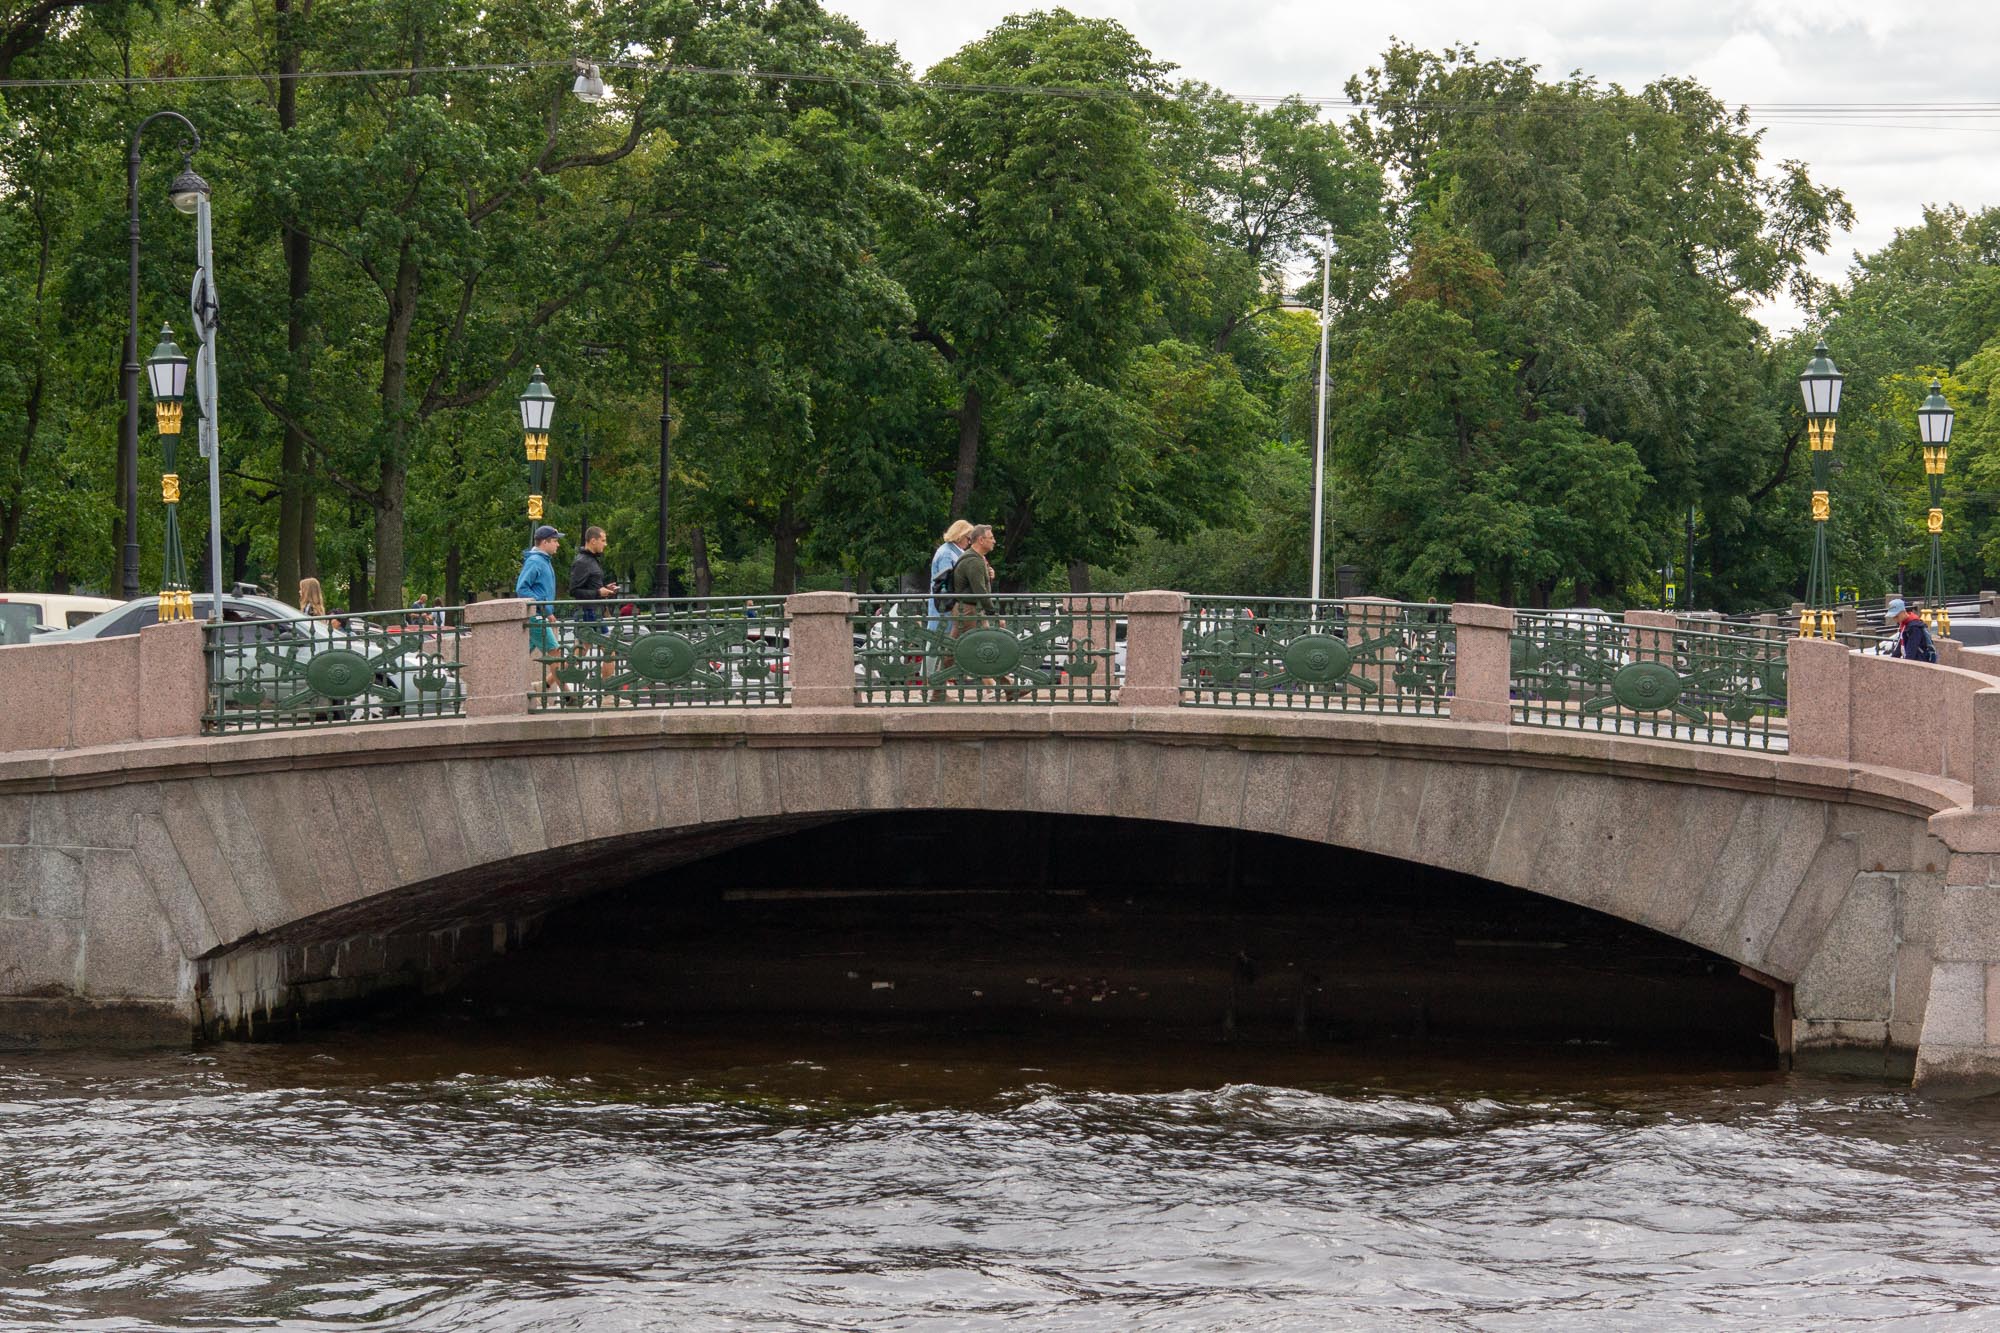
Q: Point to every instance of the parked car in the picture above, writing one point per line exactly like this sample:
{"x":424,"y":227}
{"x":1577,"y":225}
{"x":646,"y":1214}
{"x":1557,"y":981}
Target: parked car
{"x":19,"y":622}
{"x":267,"y":645}
{"x":1979,"y":634}
{"x":59,"y":610}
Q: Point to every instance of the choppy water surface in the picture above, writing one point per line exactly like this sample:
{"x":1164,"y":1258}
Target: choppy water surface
{"x":418,"y":1180}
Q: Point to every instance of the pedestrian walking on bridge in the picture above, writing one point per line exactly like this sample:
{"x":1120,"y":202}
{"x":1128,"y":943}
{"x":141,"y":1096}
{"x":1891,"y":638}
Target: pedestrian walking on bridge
{"x":537,"y":582}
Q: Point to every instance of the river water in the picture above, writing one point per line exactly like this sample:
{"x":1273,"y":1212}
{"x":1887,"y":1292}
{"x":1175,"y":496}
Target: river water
{"x":427,"y":1177}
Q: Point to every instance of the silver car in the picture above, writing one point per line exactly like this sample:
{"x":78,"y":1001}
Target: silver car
{"x":268,"y":652}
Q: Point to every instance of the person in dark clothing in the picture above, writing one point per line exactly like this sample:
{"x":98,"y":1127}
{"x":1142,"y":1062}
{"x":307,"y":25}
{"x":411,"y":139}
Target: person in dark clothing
{"x":1913,"y":640}
{"x":588,"y":587}
{"x":971,"y":587}
{"x":587,"y":580}
{"x":972,"y":579}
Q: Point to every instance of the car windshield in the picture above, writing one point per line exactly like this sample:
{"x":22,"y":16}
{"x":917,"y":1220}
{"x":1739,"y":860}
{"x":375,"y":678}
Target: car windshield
{"x":17,"y":622}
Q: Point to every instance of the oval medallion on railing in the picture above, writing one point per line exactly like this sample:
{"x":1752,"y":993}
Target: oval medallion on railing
{"x":1318,"y":659}
{"x":338,"y":674}
{"x":987,"y":652}
{"x":661,"y":657}
{"x":1646,"y":687}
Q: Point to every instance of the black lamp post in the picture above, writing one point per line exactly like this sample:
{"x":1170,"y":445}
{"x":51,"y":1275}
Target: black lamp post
{"x":1820,"y":385}
{"x":538,"y":410}
{"x":129,"y":443}
{"x":1934,"y":427}
{"x":167,"y":373}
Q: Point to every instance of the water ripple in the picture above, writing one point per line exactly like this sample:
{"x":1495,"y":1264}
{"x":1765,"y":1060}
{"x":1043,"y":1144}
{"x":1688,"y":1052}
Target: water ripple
{"x":192,"y":1195}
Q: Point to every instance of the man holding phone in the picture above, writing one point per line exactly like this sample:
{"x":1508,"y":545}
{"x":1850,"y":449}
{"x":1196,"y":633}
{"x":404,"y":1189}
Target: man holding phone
{"x":588,"y":586}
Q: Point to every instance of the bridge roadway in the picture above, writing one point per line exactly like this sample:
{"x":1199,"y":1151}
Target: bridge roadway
{"x":155,"y":889}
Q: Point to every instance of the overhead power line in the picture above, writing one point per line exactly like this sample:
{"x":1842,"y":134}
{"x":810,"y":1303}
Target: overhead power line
{"x":1977,"y":117}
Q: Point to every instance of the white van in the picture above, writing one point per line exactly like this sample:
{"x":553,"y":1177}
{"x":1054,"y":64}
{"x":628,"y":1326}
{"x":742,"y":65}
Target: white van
{"x":60,"y":610}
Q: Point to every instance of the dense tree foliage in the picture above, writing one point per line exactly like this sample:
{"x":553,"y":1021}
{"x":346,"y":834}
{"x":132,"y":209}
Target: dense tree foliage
{"x":1043,"y":285}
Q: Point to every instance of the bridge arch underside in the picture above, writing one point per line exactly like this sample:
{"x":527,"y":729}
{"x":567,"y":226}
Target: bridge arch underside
{"x":238,"y":901}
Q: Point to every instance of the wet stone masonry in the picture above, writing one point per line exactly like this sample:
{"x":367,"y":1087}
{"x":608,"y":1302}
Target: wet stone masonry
{"x":156,"y":884}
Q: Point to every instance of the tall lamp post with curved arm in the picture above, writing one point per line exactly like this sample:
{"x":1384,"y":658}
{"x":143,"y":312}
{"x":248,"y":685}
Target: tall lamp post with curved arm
{"x":129,"y":455}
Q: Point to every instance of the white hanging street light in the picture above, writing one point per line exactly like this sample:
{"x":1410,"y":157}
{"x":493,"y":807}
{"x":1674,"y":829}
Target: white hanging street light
{"x":589,"y":86}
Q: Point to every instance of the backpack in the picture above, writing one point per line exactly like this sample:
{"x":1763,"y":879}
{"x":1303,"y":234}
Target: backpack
{"x":941,"y":587}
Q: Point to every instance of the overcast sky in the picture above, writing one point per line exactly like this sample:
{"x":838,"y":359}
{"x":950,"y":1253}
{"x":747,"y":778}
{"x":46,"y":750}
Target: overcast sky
{"x":1891,"y":162}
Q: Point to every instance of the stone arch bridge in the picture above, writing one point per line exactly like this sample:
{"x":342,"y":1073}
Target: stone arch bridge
{"x":160,"y":880}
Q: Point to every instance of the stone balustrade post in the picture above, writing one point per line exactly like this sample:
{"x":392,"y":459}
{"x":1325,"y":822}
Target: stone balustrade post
{"x":173,"y":680}
{"x":1986,"y":748}
{"x":1818,"y":711}
{"x":1989,"y":603}
{"x":822,"y":667}
{"x":1152,"y":649}
{"x":1483,"y":668}
{"x":495,"y":667}
{"x":1652,"y":635}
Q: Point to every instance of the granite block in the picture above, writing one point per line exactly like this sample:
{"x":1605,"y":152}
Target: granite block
{"x":1223,"y":773}
{"x":129,"y":949}
{"x":40,"y":958}
{"x":185,"y":816}
{"x":1093,"y":769}
{"x":167,"y":879}
{"x":1955,"y":1009}
{"x":1851,"y":974}
{"x":552,"y":778}
{"x":715,"y":786}
{"x":1812,"y":909}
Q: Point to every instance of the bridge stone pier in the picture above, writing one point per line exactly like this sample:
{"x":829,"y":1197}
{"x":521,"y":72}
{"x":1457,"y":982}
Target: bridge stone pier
{"x":158,"y":884}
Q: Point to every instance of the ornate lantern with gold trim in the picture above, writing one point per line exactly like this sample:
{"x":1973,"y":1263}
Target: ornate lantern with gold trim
{"x":538,"y":411}
{"x":1934,"y":428}
{"x":166,"y":373}
{"x":1820,"y":385}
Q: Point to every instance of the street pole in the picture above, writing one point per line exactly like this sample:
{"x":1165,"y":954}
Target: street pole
{"x":661,"y":574}
{"x":1687,"y":579}
{"x":128,"y":458}
{"x":1820,"y":386}
{"x":1319,"y":428}
{"x":204,"y":309}
{"x":1934,"y":419}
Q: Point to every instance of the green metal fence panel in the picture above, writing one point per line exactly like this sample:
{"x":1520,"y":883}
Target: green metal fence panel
{"x":1005,"y":648}
{"x":661,"y":653}
{"x":1357,"y":655}
{"x":1594,"y":673}
{"x":320,"y":671}
{"x":1869,"y":638}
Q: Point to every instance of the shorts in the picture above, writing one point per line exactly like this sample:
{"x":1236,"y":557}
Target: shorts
{"x":542,"y":635}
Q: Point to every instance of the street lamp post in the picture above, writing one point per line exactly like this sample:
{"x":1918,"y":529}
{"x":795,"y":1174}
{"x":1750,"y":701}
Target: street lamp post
{"x":583,"y":520}
{"x":190,"y":195}
{"x":538,"y":410}
{"x":1934,"y":427}
{"x":1319,"y":421}
{"x":167,"y":372}
{"x":129,"y":442}
{"x":1820,"y":385}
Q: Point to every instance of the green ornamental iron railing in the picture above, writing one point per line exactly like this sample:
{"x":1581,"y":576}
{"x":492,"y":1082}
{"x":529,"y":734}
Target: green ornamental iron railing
{"x":1872,"y":636}
{"x":1000,"y":648}
{"x":1358,"y":655}
{"x":660,"y":653}
{"x":1591,"y":672}
{"x":317,"y":671}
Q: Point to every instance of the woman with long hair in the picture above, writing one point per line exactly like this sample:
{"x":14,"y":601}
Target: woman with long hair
{"x":312,"y":601}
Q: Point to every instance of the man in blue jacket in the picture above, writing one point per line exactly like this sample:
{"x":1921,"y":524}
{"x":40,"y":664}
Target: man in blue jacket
{"x":537,"y":582}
